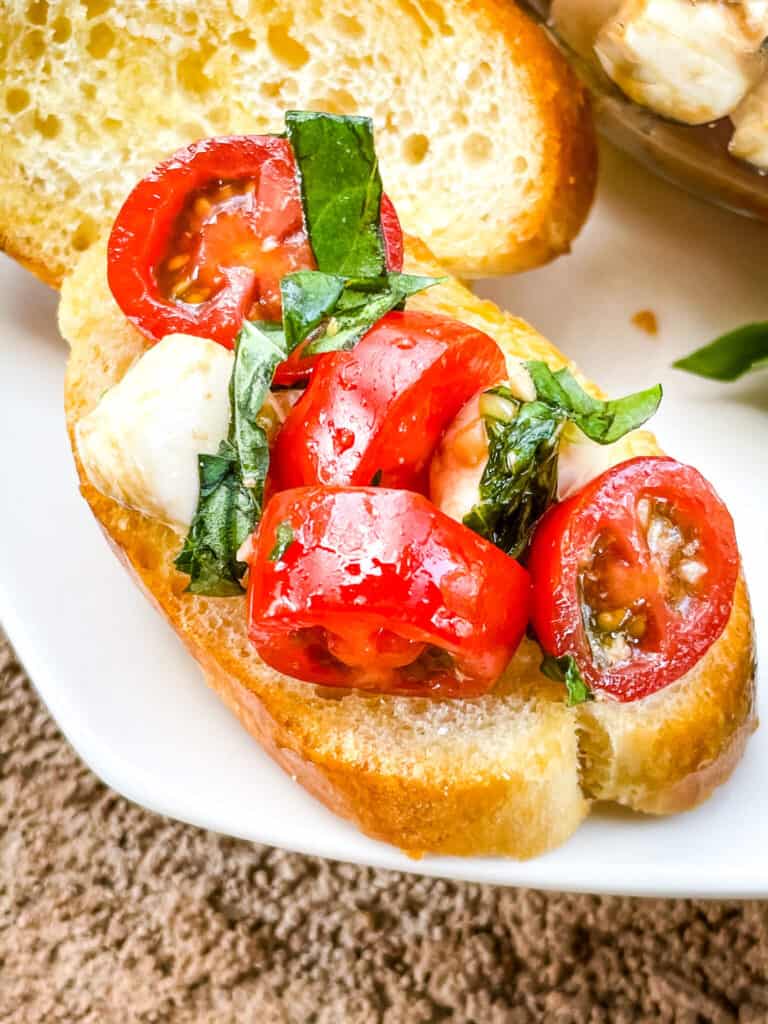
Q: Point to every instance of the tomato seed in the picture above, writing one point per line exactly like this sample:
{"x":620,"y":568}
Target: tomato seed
{"x":178,"y":261}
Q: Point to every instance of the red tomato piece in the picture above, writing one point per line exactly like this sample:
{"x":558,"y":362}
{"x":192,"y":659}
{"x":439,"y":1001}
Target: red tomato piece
{"x":377,"y":412}
{"x":379,"y":590}
{"x":634,"y":576}
{"x":202,"y":242}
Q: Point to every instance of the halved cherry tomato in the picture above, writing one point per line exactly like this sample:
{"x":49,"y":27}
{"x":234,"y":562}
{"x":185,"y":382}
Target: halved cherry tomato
{"x":634,"y":575}
{"x":377,"y":589}
{"x":203,"y":241}
{"x":376,"y":413}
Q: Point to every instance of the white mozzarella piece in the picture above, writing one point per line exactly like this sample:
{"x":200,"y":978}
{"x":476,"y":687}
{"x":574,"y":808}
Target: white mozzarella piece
{"x":581,"y":460}
{"x":457,"y":465}
{"x":689,"y":60}
{"x":579,"y":21}
{"x":140,"y":443}
{"x":750,"y":126}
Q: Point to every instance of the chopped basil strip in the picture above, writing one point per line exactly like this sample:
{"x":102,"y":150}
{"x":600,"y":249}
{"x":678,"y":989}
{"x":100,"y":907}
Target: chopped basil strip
{"x":519,"y":481}
{"x":283,"y":540}
{"x":335,"y":311}
{"x":232,"y":480}
{"x":225,"y":513}
{"x":565,"y":670}
{"x":341,"y":191}
{"x":256,"y":357}
{"x":602,"y":421}
{"x":376,"y":478}
{"x":731,"y":355}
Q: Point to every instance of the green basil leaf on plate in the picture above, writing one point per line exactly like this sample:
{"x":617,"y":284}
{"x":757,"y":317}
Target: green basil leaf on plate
{"x":731,"y":355}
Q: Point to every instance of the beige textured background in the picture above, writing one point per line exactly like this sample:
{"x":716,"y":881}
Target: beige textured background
{"x":112,"y":915}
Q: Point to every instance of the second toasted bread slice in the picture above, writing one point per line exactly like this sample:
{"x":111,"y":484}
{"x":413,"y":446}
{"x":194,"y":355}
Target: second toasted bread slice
{"x":484,"y":135}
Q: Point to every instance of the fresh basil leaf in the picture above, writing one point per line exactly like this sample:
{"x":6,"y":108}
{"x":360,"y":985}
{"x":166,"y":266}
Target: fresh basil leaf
{"x":283,"y":540}
{"x":335,"y":311}
{"x":308,"y":298}
{"x":601,"y":421}
{"x":565,"y":670}
{"x":232,"y":481}
{"x":226,"y":513}
{"x":376,"y":478}
{"x":341,"y":191}
{"x":519,"y":481}
{"x":731,"y":355}
{"x":257,"y":355}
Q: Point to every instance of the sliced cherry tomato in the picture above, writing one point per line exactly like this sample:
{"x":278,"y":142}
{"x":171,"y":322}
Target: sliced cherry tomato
{"x":379,"y":590}
{"x":634,"y":575}
{"x":203,"y":241}
{"x":376,"y":413}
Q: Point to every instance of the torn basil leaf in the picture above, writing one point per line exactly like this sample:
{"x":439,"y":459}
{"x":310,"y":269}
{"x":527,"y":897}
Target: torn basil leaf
{"x":519,"y":481}
{"x":256,"y":357}
{"x":225,"y":513}
{"x":334,"y":311}
{"x":601,"y":421}
{"x":283,"y":540}
{"x":232,"y":480}
{"x":341,"y":191}
{"x":565,"y":670}
{"x":308,"y":297}
{"x":731,"y":355}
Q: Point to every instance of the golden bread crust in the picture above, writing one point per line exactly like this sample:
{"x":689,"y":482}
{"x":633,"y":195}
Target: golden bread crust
{"x":668,"y":752}
{"x":518,"y":795}
{"x":569,"y":176}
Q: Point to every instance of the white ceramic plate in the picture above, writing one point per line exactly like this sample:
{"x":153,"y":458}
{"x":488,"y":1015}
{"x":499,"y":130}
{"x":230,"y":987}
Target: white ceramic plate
{"x":134,"y":704}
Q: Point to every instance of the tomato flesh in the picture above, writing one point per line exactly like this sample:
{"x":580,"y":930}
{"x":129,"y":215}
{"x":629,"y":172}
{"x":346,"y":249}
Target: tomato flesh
{"x":376,"y":413}
{"x":230,"y":224}
{"x":381,"y":591}
{"x":634,"y":576}
{"x":202,"y":242}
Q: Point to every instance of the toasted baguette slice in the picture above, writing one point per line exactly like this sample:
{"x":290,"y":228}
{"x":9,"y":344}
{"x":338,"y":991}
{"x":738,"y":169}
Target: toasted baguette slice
{"x":484,"y":135}
{"x":510,"y":773}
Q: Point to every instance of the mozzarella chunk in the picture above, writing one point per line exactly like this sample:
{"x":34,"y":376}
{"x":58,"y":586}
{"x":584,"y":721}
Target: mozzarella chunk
{"x":581,"y":460}
{"x":579,"y":21}
{"x":750,"y":126}
{"x":457,"y":466}
{"x":689,"y":60}
{"x":140,"y":444}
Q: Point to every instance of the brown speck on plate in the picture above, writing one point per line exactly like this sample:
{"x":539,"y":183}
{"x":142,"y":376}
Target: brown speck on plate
{"x":646,"y":320}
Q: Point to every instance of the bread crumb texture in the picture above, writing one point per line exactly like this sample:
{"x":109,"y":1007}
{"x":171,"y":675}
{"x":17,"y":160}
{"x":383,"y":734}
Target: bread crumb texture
{"x":484,"y":137}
